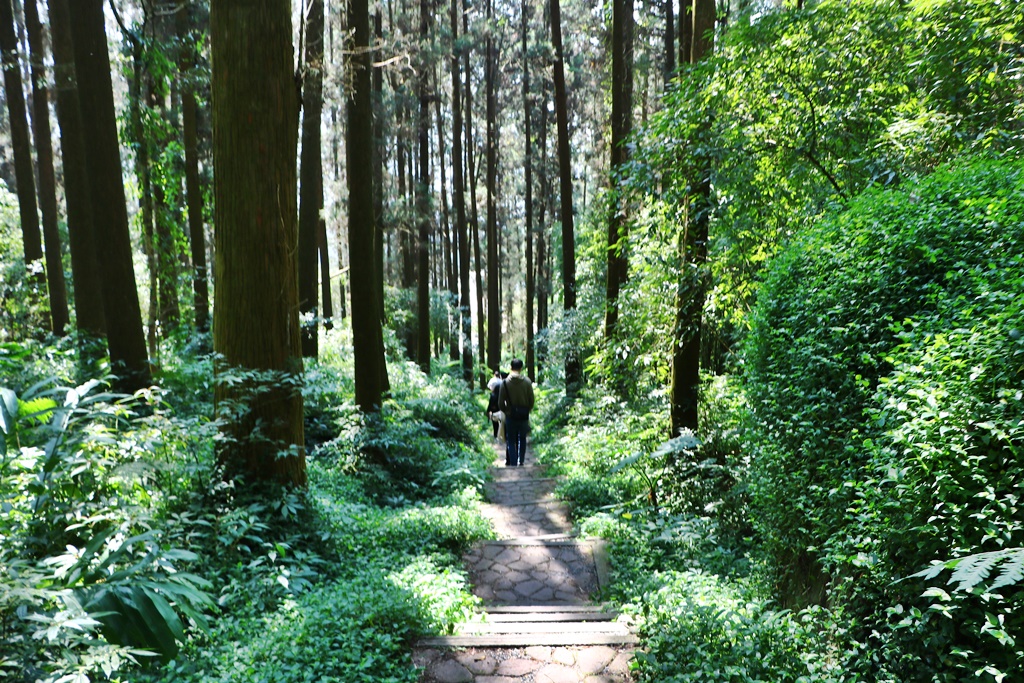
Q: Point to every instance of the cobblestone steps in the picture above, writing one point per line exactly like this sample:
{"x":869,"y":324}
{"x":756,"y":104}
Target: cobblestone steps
{"x":539,"y":623}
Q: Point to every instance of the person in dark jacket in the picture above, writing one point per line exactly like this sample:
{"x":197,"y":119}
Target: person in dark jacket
{"x":515,"y":399}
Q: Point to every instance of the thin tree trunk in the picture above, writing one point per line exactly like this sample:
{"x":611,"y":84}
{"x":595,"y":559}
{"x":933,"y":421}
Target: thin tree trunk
{"x":622,"y":119}
{"x":193,"y":191}
{"x":47,"y":180}
{"x":378,"y":166}
{"x":471,"y":169}
{"x":493,"y":266}
{"x":20,"y":142}
{"x":311,"y":177}
{"x":367,"y":337}
{"x":573,"y":373}
{"x":325,"y":269}
{"x":542,"y":279}
{"x":459,"y":199}
{"x":125,"y":339}
{"x":670,"y":40}
{"x":531,"y":368}
{"x":423,"y":207}
{"x":450,"y":246}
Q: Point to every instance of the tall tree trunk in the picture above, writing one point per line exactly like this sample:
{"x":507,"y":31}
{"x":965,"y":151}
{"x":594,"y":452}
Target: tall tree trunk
{"x":685,"y":32}
{"x":47,"y":179}
{"x":378,"y":166}
{"x":256,"y":317}
{"x":450,"y":245}
{"x":622,"y":120}
{"x":670,"y":40}
{"x":311,"y":177}
{"x":367,"y":337}
{"x":531,"y":368}
{"x":475,"y":216}
{"x":543,"y":285}
{"x":193,"y":189}
{"x":32,"y":240}
{"x":459,"y":200}
{"x":684,"y":391}
{"x":493,"y":266}
{"x":423,"y":205}
{"x":85,"y":271}
{"x":573,"y":373}
{"x":125,"y":340}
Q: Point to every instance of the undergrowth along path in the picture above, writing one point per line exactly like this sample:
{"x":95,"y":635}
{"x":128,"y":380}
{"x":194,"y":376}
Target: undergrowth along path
{"x":539,"y":623}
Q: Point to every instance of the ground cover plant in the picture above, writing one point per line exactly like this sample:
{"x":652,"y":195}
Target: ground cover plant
{"x":126,"y":556}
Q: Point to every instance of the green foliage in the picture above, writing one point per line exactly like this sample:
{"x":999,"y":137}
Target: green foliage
{"x":884,"y":378}
{"x":699,"y":628}
{"x":77,"y":517}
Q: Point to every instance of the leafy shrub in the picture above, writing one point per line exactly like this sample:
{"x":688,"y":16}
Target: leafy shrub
{"x":884,"y":377}
{"x":700,"y":629}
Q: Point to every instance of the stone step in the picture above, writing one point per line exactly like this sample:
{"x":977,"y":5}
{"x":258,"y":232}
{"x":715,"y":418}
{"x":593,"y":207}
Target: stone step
{"x":524,"y":472}
{"x":541,"y":627}
{"x":545,"y":539}
{"x":565,"y":638}
{"x":560,"y":616}
{"x":542,"y":609}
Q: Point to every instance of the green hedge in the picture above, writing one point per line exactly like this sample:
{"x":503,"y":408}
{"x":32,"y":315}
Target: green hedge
{"x":884,"y":371}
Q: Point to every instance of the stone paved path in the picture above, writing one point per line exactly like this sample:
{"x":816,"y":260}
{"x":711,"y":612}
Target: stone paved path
{"x":540,"y":624}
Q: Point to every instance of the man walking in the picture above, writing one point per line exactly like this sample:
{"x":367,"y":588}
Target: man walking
{"x":515,"y":398}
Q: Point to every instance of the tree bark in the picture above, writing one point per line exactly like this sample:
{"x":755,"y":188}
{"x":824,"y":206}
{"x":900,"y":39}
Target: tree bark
{"x":325,"y":268}
{"x":573,"y":373}
{"x":32,"y":240}
{"x":193,"y":189}
{"x":493,"y":266}
{"x":543,"y":285}
{"x":471,"y":170}
{"x":311,"y":177}
{"x":531,"y":368}
{"x":88,"y":300}
{"x":459,"y":201}
{"x":670,"y":41}
{"x":125,"y":339}
{"x":256,"y":317}
{"x":378,"y":167}
{"x":450,"y":245}
{"x":47,"y":180}
{"x":622,"y":123}
{"x":423,"y":205}
{"x":684,"y":391}
{"x":367,"y":337}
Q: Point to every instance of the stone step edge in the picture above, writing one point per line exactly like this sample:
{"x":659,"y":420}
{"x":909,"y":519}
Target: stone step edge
{"x":543,"y":609}
{"x":530,"y":640}
{"x":557,"y":540}
{"x":522,"y":502}
{"x":553,"y":617}
{"x":484,"y":628}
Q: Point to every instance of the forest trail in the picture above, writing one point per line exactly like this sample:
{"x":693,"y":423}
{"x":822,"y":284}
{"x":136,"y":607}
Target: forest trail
{"x":538,"y":624}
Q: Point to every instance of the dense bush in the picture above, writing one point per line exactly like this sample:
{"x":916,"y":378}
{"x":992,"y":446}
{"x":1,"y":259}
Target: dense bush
{"x":884,"y":374}
{"x":701,"y":629}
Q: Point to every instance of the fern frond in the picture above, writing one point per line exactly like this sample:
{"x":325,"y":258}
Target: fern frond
{"x":1012,"y":569}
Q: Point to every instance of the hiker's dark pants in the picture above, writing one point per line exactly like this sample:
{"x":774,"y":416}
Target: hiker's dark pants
{"x":515,"y":441}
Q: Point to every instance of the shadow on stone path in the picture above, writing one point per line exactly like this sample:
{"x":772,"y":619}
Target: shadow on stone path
{"x":536,"y":582}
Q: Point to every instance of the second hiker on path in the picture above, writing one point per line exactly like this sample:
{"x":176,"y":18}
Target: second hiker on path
{"x":515,"y":399}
